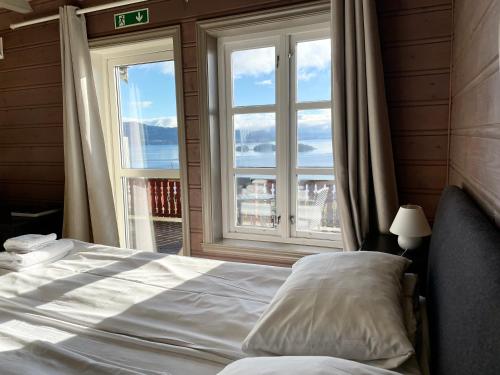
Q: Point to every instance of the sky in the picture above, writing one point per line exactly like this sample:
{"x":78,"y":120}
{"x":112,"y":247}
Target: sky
{"x":149,"y":90}
{"x":254,"y":83}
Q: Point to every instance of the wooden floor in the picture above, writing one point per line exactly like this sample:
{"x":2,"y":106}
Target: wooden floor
{"x":168,"y":237}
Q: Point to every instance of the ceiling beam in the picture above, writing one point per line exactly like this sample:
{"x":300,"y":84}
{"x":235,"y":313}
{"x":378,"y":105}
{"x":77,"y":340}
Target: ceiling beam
{"x":20,"y":6}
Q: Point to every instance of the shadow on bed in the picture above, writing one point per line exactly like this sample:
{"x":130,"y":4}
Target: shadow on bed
{"x":139,"y":313}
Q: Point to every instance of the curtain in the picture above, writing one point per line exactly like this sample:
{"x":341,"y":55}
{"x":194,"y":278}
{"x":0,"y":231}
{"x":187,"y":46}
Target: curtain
{"x":364,"y":166}
{"x":89,"y":212}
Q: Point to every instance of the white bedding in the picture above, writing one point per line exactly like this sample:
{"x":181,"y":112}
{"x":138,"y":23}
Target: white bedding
{"x":105,"y":310}
{"x":142,"y":311}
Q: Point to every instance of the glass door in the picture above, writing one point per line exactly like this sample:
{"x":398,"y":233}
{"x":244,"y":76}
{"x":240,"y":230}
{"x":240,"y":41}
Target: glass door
{"x":145,"y":140}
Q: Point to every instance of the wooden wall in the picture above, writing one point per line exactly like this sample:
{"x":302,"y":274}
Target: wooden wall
{"x":416,"y":47}
{"x":475,"y":120}
{"x":31,"y":150}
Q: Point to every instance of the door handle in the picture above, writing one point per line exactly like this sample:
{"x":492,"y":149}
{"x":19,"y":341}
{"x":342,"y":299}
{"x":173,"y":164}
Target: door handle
{"x":276,"y":219}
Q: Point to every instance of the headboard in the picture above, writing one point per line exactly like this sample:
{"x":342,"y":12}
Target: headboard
{"x":463,"y":289}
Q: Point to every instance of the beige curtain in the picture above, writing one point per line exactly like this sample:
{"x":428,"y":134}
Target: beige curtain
{"x":89,"y":212}
{"x":364,"y":166}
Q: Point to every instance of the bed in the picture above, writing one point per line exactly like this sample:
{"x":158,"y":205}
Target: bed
{"x":136,"y":311}
{"x":105,"y":310}
{"x":463,"y":288}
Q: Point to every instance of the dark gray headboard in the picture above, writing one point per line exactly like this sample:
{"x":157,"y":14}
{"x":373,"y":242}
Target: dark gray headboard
{"x":463,"y":289}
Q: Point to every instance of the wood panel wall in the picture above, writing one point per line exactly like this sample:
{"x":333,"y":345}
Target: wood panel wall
{"x":31,"y":149}
{"x":416,"y":47}
{"x":31,"y":152}
{"x":475,"y":120}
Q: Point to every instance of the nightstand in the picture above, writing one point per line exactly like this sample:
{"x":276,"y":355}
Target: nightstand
{"x":388,"y":243}
{"x":16,"y":222}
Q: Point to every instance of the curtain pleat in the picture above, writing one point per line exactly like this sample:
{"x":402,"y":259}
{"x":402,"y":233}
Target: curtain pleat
{"x":364,"y":165}
{"x":89,"y":212}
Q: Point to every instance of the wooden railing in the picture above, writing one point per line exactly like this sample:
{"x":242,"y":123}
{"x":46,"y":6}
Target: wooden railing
{"x":161,"y":195}
{"x":165,"y":195}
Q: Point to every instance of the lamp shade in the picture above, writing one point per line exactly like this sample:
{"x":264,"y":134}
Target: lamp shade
{"x":410,"y":221}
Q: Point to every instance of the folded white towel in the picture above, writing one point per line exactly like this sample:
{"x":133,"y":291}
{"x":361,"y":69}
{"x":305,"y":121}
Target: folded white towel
{"x":44,"y":254}
{"x":27,"y":242}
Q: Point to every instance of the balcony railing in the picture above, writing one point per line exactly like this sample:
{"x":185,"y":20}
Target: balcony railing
{"x":316,"y":208}
{"x":165,"y":197}
{"x":161,"y":195}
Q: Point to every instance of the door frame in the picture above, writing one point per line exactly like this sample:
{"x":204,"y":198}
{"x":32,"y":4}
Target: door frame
{"x":99,"y":48}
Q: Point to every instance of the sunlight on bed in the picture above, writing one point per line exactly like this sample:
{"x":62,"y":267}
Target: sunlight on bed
{"x":16,"y":334}
{"x":108,"y":282}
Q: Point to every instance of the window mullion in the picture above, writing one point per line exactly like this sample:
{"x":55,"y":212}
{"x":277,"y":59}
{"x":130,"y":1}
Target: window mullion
{"x":253,"y":109}
{"x":312,"y":105}
{"x":283,"y":137}
{"x":292,"y":178}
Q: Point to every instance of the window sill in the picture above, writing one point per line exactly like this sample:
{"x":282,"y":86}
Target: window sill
{"x":261,"y":252}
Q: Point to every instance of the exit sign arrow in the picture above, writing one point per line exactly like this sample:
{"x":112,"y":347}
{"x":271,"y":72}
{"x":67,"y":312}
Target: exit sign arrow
{"x":133,"y":18}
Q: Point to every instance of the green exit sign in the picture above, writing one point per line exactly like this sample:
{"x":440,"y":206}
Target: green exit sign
{"x":134,"y":18}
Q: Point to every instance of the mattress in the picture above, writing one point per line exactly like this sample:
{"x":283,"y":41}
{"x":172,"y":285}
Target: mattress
{"x":130,"y":311}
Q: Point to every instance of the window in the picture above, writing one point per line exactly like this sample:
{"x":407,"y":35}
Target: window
{"x":276,"y":136}
{"x":140,"y":106}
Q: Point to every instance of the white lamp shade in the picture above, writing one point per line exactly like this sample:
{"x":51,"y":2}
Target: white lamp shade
{"x":410,"y":221}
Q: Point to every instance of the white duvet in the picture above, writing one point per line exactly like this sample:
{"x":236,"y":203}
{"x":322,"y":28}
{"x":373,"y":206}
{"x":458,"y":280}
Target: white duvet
{"x":108,"y":310}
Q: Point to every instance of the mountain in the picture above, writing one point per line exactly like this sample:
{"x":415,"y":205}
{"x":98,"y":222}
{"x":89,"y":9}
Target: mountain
{"x":163,"y":131}
{"x":268,"y":135}
{"x":152,"y":134}
{"x":164,"y":122}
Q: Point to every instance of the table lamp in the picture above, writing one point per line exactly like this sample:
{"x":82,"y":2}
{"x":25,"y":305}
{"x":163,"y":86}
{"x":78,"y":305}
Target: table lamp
{"x":410,"y":225}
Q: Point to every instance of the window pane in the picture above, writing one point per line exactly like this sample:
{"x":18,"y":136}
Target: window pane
{"x":314,"y":70}
{"x":147,"y":108}
{"x":316,"y":204}
{"x":253,"y":76}
{"x":255,"y":140}
{"x":255,"y":201}
{"x":153,"y":214}
{"x":314,"y":138}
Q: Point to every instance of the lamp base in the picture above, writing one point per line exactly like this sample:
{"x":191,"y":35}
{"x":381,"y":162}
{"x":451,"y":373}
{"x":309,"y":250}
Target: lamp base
{"x":409,"y":243}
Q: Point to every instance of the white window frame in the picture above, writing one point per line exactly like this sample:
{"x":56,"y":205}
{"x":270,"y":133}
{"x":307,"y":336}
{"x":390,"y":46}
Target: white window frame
{"x":285,"y":107}
{"x":226,"y":47}
{"x":296,"y":106}
{"x":137,"y":48}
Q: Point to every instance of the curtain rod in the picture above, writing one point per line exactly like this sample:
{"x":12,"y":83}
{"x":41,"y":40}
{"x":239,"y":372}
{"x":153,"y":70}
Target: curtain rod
{"x":96,"y":8}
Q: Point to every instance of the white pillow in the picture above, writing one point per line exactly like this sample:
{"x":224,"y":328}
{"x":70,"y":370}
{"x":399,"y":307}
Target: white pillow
{"x":345,"y":304}
{"x":410,"y":305}
{"x":300,"y":366}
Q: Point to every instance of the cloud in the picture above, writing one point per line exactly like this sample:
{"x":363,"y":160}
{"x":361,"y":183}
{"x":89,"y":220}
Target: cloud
{"x":312,"y":58}
{"x":314,"y":118}
{"x":164,"y":67}
{"x":254,"y":121}
{"x":168,"y":68}
{"x":141,"y":104}
{"x":266,"y":82}
{"x":162,"y":122}
{"x":253,"y":62}
{"x":260,"y":121}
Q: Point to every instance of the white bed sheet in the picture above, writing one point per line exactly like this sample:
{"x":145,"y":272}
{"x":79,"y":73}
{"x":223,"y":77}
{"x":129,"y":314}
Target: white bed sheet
{"x":133,"y":311}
